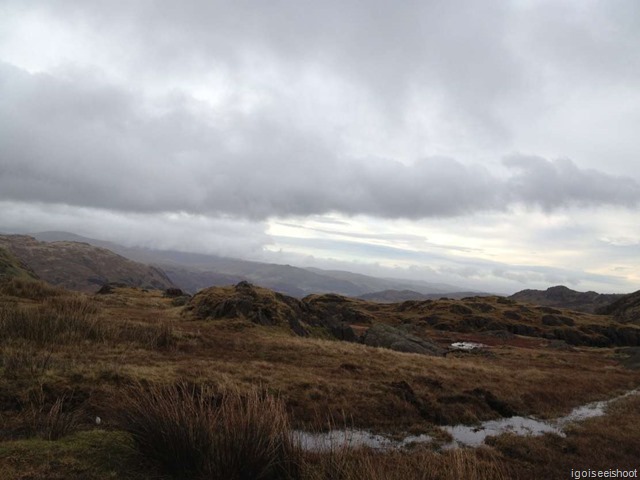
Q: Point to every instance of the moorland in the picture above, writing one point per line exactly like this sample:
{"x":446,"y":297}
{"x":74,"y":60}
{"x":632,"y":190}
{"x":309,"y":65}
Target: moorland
{"x":138,"y":382}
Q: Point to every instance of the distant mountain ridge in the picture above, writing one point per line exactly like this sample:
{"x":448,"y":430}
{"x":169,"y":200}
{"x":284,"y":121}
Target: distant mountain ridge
{"x":194,"y":271}
{"x":80,"y":266}
{"x":394,"y":296}
{"x":563,"y":297}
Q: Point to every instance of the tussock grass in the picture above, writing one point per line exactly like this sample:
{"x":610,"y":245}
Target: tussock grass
{"x":195,"y":434}
{"x":49,"y":421}
{"x":25,"y":360}
{"x":56,"y":321}
{"x":28,"y":288}
{"x":155,"y":336}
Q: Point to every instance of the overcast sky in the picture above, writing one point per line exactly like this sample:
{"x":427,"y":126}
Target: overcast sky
{"x":492,"y":145}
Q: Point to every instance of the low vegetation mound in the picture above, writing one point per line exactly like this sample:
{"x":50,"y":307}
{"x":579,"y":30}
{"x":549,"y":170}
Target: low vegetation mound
{"x":247,"y":301}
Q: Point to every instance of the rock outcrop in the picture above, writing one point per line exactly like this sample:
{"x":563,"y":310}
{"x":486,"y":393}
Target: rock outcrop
{"x":382,"y":335}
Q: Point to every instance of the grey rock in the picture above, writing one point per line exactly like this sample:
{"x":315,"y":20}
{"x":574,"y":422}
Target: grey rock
{"x":381,"y":335}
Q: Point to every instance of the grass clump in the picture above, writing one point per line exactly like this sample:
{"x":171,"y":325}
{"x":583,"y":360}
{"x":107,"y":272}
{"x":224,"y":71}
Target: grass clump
{"x":154,"y":336}
{"x":195,"y":434}
{"x":23,"y":360}
{"x":55,"y":321}
{"x":29,"y":288}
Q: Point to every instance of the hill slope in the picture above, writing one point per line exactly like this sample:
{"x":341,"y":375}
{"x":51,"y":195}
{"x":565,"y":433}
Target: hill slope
{"x":10,"y":266}
{"x":80,"y":266}
{"x":194,"y":271}
{"x":563,"y":297}
{"x":625,"y":309}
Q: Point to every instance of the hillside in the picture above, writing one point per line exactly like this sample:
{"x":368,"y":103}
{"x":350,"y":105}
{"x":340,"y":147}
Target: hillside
{"x":10,"y":266}
{"x":563,"y":297}
{"x":394,"y":369}
{"x":79,"y":266}
{"x":626,"y":309}
{"x":194,"y":271}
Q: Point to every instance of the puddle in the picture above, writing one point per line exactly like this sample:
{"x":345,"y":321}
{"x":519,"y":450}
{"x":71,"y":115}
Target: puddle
{"x":462,"y":435}
{"x":350,"y":438}
{"x":467,"y":345}
{"x":474,"y":436}
{"x":326,"y":441}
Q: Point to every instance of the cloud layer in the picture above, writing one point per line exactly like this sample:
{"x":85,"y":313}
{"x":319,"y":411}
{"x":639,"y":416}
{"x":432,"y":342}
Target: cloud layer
{"x":226,"y":117}
{"x":83,"y":142}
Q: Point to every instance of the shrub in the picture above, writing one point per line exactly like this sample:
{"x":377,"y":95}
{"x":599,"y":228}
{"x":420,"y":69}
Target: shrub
{"x":193,"y":433}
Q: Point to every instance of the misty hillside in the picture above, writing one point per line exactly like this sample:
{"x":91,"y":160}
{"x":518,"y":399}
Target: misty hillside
{"x":194,"y":271}
{"x":80,"y":266}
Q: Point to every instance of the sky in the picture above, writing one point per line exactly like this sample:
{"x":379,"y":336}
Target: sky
{"x":491,"y":145}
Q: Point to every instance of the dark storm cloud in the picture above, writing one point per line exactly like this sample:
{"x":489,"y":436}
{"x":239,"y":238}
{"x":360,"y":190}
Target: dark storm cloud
{"x":84,"y":142}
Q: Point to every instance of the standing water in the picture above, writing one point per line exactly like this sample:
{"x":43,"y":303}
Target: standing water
{"x":462,"y":435}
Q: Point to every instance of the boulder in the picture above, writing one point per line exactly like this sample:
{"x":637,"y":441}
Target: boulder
{"x":386,"y":336}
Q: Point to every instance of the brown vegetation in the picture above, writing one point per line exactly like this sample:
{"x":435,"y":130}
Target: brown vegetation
{"x":224,"y":384}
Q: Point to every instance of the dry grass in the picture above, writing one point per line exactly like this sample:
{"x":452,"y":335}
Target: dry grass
{"x":194,"y":433}
{"x":25,"y":360}
{"x":57,"y":320}
{"x":30,"y":289}
{"x":50,"y":421}
{"x":346,"y":464}
{"x":142,"y":337}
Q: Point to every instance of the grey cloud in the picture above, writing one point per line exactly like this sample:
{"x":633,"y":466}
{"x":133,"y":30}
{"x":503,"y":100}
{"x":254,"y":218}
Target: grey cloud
{"x":197,"y":233}
{"x":454,"y":52}
{"x":551,"y":185}
{"x":82,"y":142}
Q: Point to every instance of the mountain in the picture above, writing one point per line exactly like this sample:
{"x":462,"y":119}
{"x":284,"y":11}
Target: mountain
{"x":80,"y":266}
{"x":394,"y":296}
{"x":194,"y":271}
{"x":625,"y":310}
{"x":563,"y":297}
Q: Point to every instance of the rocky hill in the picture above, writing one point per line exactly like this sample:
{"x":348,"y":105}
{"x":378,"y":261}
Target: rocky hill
{"x":563,"y":297}
{"x":75,"y":265}
{"x":484,"y":319}
{"x":625,"y":309}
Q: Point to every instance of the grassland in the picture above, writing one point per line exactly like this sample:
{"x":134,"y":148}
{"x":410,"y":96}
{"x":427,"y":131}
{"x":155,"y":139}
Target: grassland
{"x":68,"y":358}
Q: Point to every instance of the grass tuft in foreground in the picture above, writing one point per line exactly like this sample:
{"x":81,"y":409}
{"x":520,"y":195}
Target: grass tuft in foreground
{"x":195,"y":434}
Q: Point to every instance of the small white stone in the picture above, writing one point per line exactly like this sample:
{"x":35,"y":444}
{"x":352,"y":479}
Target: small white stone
{"x":98,"y":420}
